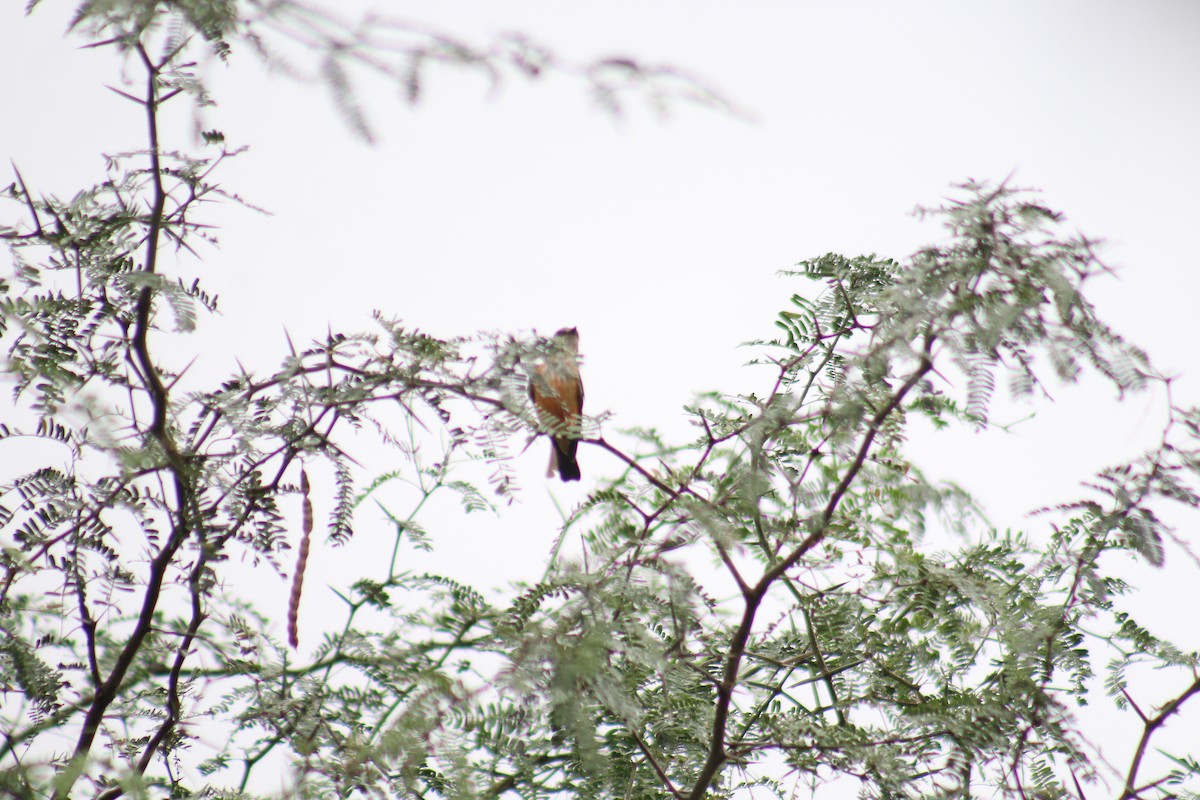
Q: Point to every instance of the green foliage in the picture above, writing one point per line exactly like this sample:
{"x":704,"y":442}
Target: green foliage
{"x":760,"y":607}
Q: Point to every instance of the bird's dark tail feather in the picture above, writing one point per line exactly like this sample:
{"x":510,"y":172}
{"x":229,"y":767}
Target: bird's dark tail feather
{"x":568,"y":467}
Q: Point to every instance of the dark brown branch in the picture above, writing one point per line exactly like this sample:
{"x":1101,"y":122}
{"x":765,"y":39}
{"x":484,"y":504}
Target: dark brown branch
{"x":844,"y":485}
{"x":653,"y":762}
{"x":636,"y":467}
{"x":174,"y":704}
{"x":157,"y":432}
{"x":754,"y":597}
{"x":1151,"y":727}
{"x":38,"y":231}
{"x":86,"y":620}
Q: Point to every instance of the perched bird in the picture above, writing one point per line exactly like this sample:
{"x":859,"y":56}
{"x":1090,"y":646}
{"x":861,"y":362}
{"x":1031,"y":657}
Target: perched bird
{"x":557,"y":393}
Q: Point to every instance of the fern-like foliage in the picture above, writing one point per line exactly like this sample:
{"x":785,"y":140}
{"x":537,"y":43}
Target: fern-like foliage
{"x":757,"y":609}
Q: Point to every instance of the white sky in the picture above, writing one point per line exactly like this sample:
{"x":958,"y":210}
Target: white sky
{"x":660,"y":238}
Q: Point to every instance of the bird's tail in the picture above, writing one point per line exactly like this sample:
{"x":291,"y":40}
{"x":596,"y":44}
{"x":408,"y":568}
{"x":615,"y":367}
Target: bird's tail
{"x":564,"y":457}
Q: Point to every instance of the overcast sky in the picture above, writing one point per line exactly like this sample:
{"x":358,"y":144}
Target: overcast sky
{"x":660,"y":238}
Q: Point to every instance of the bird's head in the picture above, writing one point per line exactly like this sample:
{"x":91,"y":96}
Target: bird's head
{"x":568,"y":338}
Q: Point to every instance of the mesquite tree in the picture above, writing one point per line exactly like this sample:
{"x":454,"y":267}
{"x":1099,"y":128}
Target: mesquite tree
{"x":754,"y":610}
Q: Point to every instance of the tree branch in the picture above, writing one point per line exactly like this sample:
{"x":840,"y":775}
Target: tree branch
{"x":158,"y":432}
{"x":754,"y":597}
{"x":1149,"y":729}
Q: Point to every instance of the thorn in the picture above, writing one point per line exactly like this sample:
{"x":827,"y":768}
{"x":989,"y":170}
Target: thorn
{"x":126,"y":95}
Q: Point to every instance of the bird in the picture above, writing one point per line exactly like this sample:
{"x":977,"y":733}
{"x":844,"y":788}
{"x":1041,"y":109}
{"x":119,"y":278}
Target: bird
{"x":557,"y":393}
